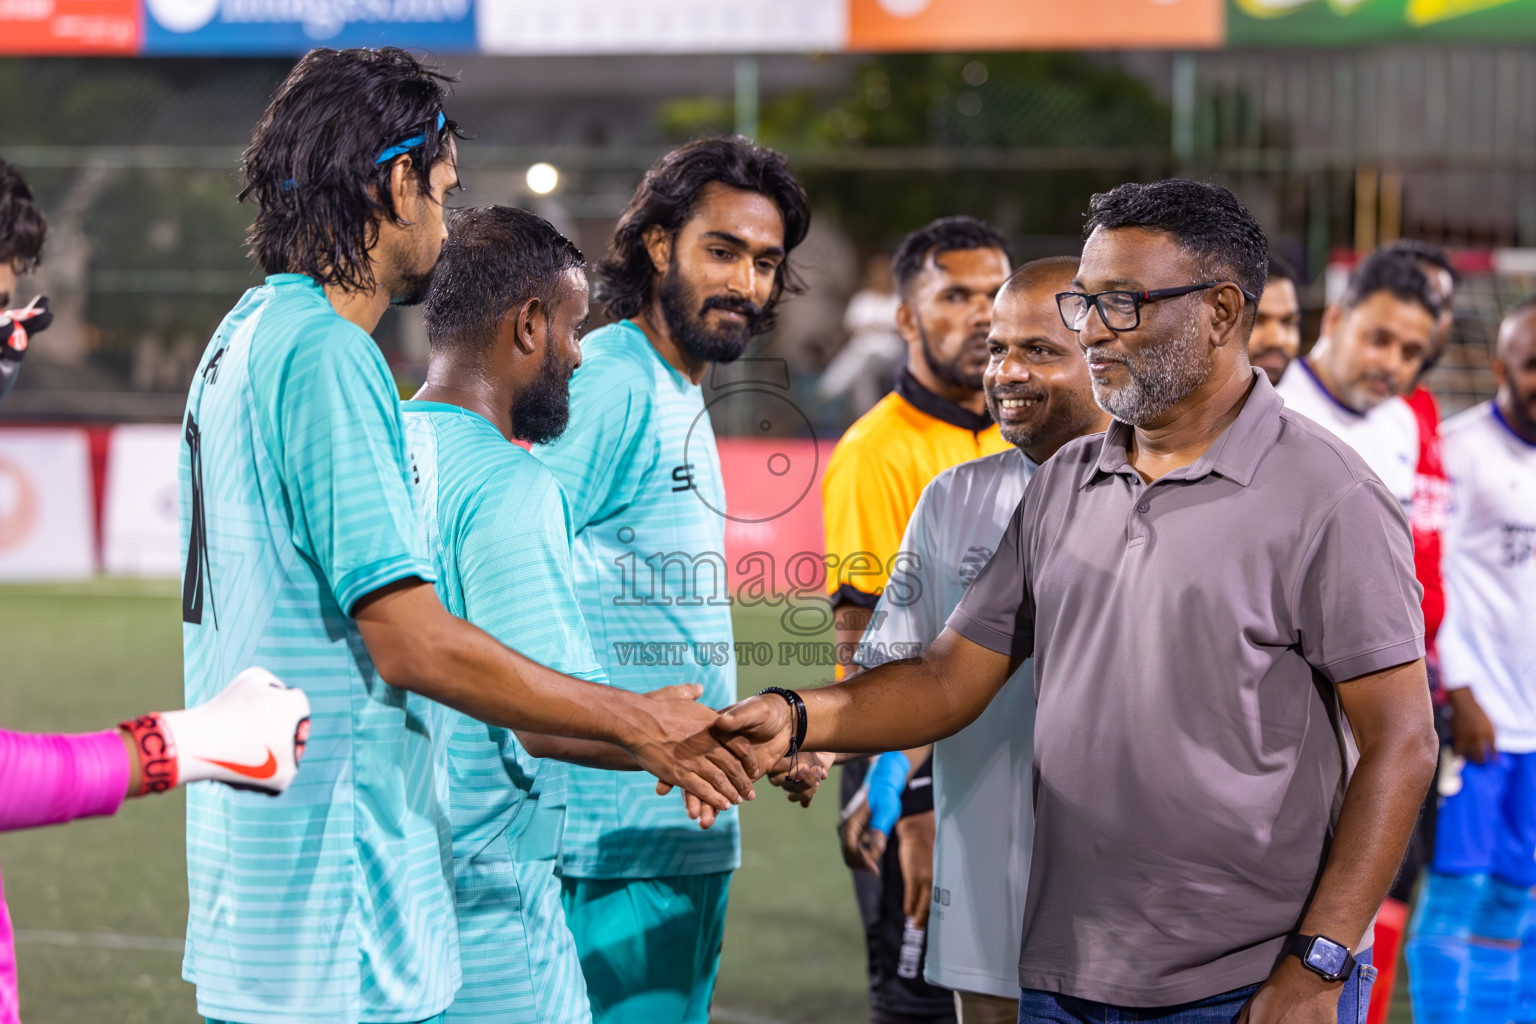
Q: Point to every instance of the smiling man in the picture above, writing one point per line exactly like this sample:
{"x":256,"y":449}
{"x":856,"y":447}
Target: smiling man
{"x":1374,"y":339}
{"x":1210,"y":590}
{"x":948,"y":274}
{"x":1037,"y":389}
{"x":698,"y":263}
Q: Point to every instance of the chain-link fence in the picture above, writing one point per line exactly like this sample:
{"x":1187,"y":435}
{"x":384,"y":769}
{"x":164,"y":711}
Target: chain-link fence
{"x":136,"y":165}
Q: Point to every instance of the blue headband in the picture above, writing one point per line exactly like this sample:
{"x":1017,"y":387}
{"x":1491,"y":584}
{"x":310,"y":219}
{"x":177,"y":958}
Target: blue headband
{"x":410,"y":143}
{"x":393,"y":151}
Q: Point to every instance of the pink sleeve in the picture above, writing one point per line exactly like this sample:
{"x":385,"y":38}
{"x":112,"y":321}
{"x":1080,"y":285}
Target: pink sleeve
{"x":48,"y":778}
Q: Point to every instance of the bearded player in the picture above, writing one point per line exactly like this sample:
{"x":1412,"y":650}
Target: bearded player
{"x":698,"y":262}
{"x":333,"y":903}
{"x":507,"y":303}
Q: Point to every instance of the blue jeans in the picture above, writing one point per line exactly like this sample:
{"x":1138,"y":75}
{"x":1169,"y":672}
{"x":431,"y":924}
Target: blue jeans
{"x":1036,"y":1007}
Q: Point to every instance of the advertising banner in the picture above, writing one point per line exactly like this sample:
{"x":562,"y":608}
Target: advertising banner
{"x":1033,"y":24}
{"x":295,"y":26}
{"x":1362,"y":22}
{"x":47,"y":528}
{"x":773,"y":508}
{"x":140,"y":519}
{"x":100,"y":27}
{"x":661,"y":26}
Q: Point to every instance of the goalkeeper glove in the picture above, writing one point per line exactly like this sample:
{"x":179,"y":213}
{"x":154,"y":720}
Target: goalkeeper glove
{"x":251,"y":736}
{"x":16,"y":328}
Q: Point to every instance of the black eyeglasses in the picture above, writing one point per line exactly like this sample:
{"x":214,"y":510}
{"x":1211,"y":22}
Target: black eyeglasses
{"x":1121,"y":311}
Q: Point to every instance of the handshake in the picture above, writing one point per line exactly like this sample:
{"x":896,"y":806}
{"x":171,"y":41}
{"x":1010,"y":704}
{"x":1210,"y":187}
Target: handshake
{"x":714,"y":757}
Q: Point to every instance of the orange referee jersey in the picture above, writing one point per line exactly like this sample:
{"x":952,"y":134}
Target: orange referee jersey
{"x":876,"y":474}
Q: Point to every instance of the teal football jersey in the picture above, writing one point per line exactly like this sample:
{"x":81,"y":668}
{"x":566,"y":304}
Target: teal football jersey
{"x":500,"y":531}
{"x":331,"y":903}
{"x":641,"y":470}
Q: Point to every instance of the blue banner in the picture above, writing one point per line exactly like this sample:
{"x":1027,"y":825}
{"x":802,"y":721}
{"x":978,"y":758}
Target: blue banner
{"x":292,"y":27}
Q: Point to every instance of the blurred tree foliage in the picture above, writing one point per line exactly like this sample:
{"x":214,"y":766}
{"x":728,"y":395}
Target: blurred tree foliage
{"x":953,"y":101}
{"x":165,"y":251}
{"x":159,"y":248}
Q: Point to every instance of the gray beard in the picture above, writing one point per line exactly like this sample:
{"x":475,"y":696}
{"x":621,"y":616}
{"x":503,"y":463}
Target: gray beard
{"x":1160,"y":378}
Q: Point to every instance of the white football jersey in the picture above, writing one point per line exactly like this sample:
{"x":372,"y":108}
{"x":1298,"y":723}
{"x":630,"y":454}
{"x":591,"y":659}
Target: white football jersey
{"x":1488,"y":638}
{"x":983,"y":775}
{"x":1387,"y":437}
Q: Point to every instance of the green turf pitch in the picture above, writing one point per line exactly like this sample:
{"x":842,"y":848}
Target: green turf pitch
{"x":101,"y":905}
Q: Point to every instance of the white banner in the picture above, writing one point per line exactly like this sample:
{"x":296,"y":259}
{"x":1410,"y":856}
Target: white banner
{"x":661,"y":26}
{"x":139,"y":529}
{"x":47,"y":529}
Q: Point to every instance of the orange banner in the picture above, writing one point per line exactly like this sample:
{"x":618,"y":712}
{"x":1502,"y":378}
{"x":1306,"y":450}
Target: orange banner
{"x":1034,"y":24}
{"x":59,"y":27}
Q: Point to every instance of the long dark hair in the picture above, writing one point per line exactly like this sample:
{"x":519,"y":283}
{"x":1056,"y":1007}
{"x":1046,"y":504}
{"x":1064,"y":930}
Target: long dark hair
{"x":626,"y":276}
{"x":312,"y":167}
{"x":22,"y":228}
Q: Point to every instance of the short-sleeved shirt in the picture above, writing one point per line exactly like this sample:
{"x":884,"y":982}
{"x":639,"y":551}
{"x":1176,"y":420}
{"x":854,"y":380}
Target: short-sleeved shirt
{"x":1187,"y":636}
{"x":499,"y":530}
{"x":332,"y":902}
{"x":877,"y":472}
{"x":1489,"y":634}
{"x":641,"y":470}
{"x":1386,"y":436}
{"x":982,"y":793}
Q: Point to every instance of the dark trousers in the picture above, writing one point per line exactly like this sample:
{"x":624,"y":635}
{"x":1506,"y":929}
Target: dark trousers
{"x":897,"y":995}
{"x":1036,"y":1007}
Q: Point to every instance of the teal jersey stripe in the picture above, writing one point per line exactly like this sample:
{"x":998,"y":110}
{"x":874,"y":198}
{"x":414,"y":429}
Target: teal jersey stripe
{"x":499,"y":530}
{"x":640,"y":466}
{"x":333,"y":902}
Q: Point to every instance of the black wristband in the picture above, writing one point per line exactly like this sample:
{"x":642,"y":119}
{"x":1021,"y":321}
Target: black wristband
{"x":796,"y":712}
{"x":917,"y":794}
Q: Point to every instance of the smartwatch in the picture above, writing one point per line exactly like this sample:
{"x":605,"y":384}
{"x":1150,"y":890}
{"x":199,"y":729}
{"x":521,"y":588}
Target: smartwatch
{"x":1322,"y":956}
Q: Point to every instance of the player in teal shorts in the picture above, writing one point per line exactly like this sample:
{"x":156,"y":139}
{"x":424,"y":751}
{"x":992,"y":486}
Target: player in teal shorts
{"x":507,"y":301}
{"x":698,"y":262}
{"x":333,"y":903}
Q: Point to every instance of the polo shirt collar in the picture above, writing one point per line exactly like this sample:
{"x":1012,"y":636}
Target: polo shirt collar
{"x":1235,"y":454}
{"x":939,"y":407}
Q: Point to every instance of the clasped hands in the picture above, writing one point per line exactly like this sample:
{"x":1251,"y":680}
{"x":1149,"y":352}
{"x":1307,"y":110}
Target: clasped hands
{"x":716,"y":764}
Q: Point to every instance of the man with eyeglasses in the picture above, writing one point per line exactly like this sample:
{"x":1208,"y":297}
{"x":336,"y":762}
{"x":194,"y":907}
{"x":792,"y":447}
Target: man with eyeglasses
{"x":948,"y":274}
{"x":1038,"y":392}
{"x":1210,"y":590}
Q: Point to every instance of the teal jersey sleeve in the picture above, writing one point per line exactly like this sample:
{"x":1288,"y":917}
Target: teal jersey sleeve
{"x":514,"y":566}
{"x":341,"y":453}
{"x":610,"y":447}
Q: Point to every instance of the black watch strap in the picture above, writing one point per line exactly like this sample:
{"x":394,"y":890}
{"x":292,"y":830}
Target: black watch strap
{"x":1309,"y":949}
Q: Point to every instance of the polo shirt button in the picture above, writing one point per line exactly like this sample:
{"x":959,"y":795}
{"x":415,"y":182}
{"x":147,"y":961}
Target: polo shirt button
{"x":1144,"y":508}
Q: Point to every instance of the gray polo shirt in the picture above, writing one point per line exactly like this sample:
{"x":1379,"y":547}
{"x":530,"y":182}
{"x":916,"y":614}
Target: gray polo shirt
{"x":1190,"y":760}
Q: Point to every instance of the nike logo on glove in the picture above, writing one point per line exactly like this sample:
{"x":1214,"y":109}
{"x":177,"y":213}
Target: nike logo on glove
{"x":258,"y":771}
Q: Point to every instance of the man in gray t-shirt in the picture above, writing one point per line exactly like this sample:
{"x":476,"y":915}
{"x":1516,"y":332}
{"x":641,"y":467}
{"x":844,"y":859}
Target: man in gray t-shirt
{"x":1209,"y":592}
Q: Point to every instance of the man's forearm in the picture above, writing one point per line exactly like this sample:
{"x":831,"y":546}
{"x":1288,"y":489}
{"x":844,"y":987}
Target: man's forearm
{"x":417,"y":646}
{"x":473,"y":673}
{"x":905,"y":704}
{"x":588,"y":753}
{"x":1380,"y":810}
